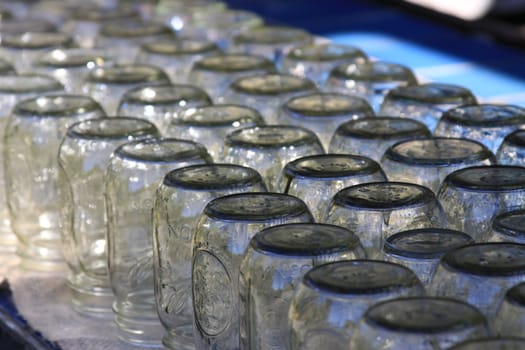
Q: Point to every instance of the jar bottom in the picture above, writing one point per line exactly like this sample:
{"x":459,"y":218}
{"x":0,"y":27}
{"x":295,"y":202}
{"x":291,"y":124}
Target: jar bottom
{"x":40,"y":254}
{"x":90,"y":297}
{"x":182,"y":340}
{"x":139,"y":332}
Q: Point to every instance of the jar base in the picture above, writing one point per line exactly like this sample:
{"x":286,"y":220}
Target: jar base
{"x":89,"y":297}
{"x":179,"y":342}
{"x":146,"y":333}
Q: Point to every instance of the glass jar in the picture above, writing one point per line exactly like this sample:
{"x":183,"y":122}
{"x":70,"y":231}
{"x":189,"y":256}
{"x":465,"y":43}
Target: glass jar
{"x":176,"y":57}
{"x":316,"y":179}
{"x":269,"y":148}
{"x":480,"y":274}
{"x":425,"y":102}
{"x":215,"y":73}
{"x":107,"y":85}
{"x":267,"y":92}
{"x":180,"y":200}
{"x":485,"y":123}
{"x":370,"y":80}
{"x":509,"y":226}
{"x":315,"y":61}
{"x":83,"y":158}
{"x":323,"y":112}
{"x":428,"y":161}
{"x":376,"y":210}
{"x":371,"y":137}
{"x":421,"y":250}
{"x":210,"y":125}
{"x":223,"y":233}
{"x":33,"y":134}
{"x":424,"y":323}
{"x":160,"y":104}
{"x":512,"y":149}
{"x":491,"y":344}
{"x":178,"y":14}
{"x":133,"y":174}
{"x":510,"y":318}
{"x":332,"y":298}
{"x":472,"y":197}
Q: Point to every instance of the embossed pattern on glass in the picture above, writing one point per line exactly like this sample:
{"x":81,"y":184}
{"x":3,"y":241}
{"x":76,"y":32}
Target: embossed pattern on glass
{"x":133,"y":174}
{"x":323,"y":112}
{"x":180,"y":200}
{"x":375,"y":211}
{"x":491,"y":344}
{"x":316,"y":179}
{"x":425,"y":102}
{"x":510,"y":318}
{"x":215,"y":73}
{"x":23,"y":49}
{"x":83,"y":157}
{"x":123,"y":39}
{"x":160,"y":104}
{"x":176,"y":57}
{"x":370,"y":80}
{"x":269,"y":148}
{"x":211,"y":124}
{"x":480,"y":274}
{"x":428,"y":161}
{"x":423,"y":323}
{"x":221,"y":238}
{"x":107,"y":85}
{"x":273,"y":42}
{"x":332,"y":297}
{"x":371,"y":137}
{"x":13,"y":89}
{"x":272,"y":268}
{"x":33,"y":134}
{"x":315,"y":61}
{"x":267,"y":92}
{"x":472,"y":197}
{"x":485,"y":123}
{"x":512,"y":149}
{"x":421,"y":250}
{"x":71,"y":66}
{"x":508,"y":226}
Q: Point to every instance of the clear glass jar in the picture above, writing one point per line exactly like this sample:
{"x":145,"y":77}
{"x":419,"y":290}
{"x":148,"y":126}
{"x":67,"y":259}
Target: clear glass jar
{"x":316,"y":179}
{"x":107,"y":85}
{"x":71,"y":66}
{"x":480,"y":274}
{"x":376,"y":210}
{"x":160,"y":104}
{"x":178,"y":14}
{"x":423,"y":323}
{"x":83,"y":157}
{"x":269,"y":148}
{"x":24,"y":49}
{"x":332,"y":297}
{"x":222,"y":26}
{"x":421,"y":250}
{"x":315,"y":61}
{"x":370,"y":80}
{"x":215,"y":73}
{"x":509,"y":226}
{"x":267,"y":92}
{"x":272,"y":268}
{"x":512,"y":149}
{"x":323,"y":112}
{"x":13,"y":89}
{"x":428,"y":161}
{"x":491,"y":344}
{"x":221,"y":238}
{"x":510,"y":318}
{"x":122,"y":39}
{"x":134,"y":172}
{"x":33,"y":134}
{"x":180,"y":200}
{"x":425,"y":102}
{"x":210,"y":125}
{"x":272,"y":42}
{"x":176,"y":57}
{"x":472,"y":197}
{"x":84,"y":23}
{"x":371,"y":137}
{"x":485,"y":123}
